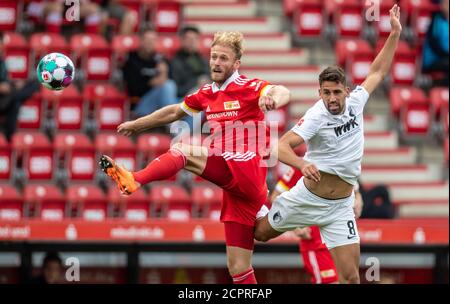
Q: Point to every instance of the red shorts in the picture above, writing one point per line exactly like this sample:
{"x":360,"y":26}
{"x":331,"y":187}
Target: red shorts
{"x":320,"y":265}
{"x":245,"y":190}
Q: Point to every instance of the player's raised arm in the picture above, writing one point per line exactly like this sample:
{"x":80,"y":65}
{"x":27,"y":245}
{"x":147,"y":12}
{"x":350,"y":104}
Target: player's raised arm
{"x":382,"y":63}
{"x":156,"y":119}
{"x":276,"y":97}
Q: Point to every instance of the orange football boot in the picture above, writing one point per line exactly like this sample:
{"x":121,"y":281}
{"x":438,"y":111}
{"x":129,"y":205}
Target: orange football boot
{"x":123,"y":178}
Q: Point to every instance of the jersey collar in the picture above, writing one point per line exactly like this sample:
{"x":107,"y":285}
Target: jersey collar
{"x":216,"y":88}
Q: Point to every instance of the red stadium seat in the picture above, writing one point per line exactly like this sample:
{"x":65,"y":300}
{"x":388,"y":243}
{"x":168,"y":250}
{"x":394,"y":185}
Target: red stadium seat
{"x":47,"y":201}
{"x":420,"y":12}
{"x":171,"y":201}
{"x":348,"y":19}
{"x":152,"y":145}
{"x":110,"y":106}
{"x":168,"y":44}
{"x":31,"y":113}
{"x":89,"y":201}
{"x":94,"y":54}
{"x":8,"y":15}
{"x":69,"y":114}
{"x":359,"y":66}
{"x":53,"y":98}
{"x":206,"y":198}
{"x":166,"y":16}
{"x":119,"y":147}
{"x":123,"y":44}
{"x":404,"y":68}
{"x":439,"y":98}
{"x":77,"y":153}
{"x":44,"y":43}
{"x":36,"y":153}
{"x":416,"y":119}
{"x":5,"y":158}
{"x":400,"y":96}
{"x":11,"y":203}
{"x":16,"y":55}
{"x":135,"y":207}
{"x":346,"y":48}
{"x":308,"y":18}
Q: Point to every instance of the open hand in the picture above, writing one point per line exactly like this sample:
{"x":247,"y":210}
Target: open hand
{"x":396,"y":26}
{"x":310,"y":171}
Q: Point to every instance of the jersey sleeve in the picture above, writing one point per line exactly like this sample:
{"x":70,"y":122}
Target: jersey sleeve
{"x":259,"y":88}
{"x":191,"y":104}
{"x":358,"y":98}
{"x":308,"y":126}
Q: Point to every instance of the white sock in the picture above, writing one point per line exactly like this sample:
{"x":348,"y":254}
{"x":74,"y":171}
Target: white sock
{"x":262,"y":212}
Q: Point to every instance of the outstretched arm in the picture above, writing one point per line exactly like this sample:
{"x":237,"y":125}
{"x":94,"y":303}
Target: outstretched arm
{"x":156,"y":119}
{"x":382,"y":63}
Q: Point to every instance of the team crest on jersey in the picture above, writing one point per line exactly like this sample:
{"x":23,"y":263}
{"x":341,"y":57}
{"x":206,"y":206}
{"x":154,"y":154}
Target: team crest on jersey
{"x":231,"y":105}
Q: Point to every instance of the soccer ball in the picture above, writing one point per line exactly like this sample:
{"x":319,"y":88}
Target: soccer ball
{"x":55,"y":71}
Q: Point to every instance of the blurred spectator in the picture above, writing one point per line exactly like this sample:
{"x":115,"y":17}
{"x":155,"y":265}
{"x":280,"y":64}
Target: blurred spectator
{"x":12,"y":95}
{"x":146,"y":75}
{"x":116,"y":11}
{"x":52,"y":270}
{"x":188,"y":68}
{"x":435,"y":49}
{"x":376,"y":202}
{"x":48,"y":12}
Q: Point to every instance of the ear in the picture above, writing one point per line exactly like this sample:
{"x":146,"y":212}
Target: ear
{"x":237,"y":64}
{"x":320,"y":92}
{"x":347,"y":90}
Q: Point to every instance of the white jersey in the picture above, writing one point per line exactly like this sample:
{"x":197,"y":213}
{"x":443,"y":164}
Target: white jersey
{"x":336,"y":142}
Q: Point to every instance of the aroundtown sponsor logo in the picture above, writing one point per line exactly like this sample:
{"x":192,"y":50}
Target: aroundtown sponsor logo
{"x":222,"y":115}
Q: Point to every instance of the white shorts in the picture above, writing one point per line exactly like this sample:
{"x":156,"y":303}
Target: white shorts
{"x":299,"y":207}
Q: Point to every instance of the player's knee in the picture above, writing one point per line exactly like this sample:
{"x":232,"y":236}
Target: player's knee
{"x":350,"y":276}
{"x":237,"y":266}
{"x":261,"y":236}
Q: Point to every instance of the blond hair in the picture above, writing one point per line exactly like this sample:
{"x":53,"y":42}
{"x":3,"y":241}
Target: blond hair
{"x":233,"y":40}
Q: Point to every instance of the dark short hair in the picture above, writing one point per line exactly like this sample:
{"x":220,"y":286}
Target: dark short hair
{"x":189,"y":28}
{"x":145,"y":29}
{"x":51,"y":257}
{"x":334,"y":74}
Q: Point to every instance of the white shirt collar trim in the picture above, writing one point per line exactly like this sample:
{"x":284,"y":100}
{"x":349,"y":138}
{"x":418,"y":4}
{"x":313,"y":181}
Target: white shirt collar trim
{"x":216,"y":88}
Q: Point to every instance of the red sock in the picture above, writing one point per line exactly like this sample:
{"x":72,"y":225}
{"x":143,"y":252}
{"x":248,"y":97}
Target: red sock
{"x":246,"y":277}
{"x":162,"y":167}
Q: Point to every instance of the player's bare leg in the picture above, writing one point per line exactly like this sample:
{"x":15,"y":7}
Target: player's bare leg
{"x":193,"y":159}
{"x":238,"y":260}
{"x":346,"y":259}
{"x":264,"y":231}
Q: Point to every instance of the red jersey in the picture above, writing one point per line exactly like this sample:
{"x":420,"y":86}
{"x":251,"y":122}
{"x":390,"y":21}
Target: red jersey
{"x":288,"y":180}
{"x":233,"y":113}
